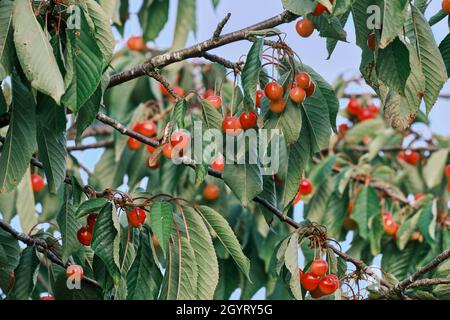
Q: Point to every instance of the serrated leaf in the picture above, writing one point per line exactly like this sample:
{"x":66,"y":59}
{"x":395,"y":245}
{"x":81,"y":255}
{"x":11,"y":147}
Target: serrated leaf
{"x":186,"y":22}
{"x":9,"y":258}
{"x":299,"y":7}
{"x":25,"y":204}
{"x":212,"y":117}
{"x":87,"y":113}
{"x":291,"y":263}
{"x":89,"y":206}
{"x":87,"y":291}
{"x":394,"y":17}
{"x":179,"y":112}
{"x":6,"y":15}
{"x":289,"y":122}
{"x":366,"y":206}
{"x":250,"y":74}
{"x":25,"y":275}
{"x":433,"y":171}
{"x":161,"y":220}
{"x":153,"y":16}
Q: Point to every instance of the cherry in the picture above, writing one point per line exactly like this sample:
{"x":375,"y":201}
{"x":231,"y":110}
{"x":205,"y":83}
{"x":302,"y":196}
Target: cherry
{"x":208,"y":93}
{"x":310,"y":281}
{"x":319,"y":267}
{"x":137,"y":217}
{"x":152,"y":164}
{"x":84,"y":236}
{"x":136,"y":43}
{"x":371,"y":41}
{"x":298,"y":95}
{"x":215,"y":101}
{"x":231,"y":126}
{"x":218,"y":164}
{"x":74,"y":269}
{"x":91,"y":220}
{"x":305,"y":27}
{"x":311,"y":90}
{"x":373,"y":108}
{"x":365,"y":114}
{"x":316,"y":294}
{"x":133,"y":144}
{"x":409,"y":156}
{"x":37,"y":182}
{"x":259,"y":95}
{"x":336,"y":280}
{"x":446,"y":6}
{"x":303,"y":80}
{"x":150,"y":149}
{"x":180,"y":139}
{"x":297,"y":198}
{"x":305,"y":187}
{"x":343,"y":128}
{"x":167,"y":151}
{"x":146,"y":128}
{"x":354,"y":107}
{"x":277,"y":106}
{"x":327,"y":285}
{"x":320,"y":9}
{"x":211,"y":192}
{"x":178,"y":91}
{"x":416,"y":236}
{"x":47,"y":298}
{"x":447,"y":171}
{"x":274,"y":91}
{"x":248,"y":120}
{"x":390,"y":226}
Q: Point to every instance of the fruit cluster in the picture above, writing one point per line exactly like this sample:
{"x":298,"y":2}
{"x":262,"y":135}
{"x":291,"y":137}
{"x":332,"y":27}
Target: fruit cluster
{"x":409,"y":156}
{"x":359,"y":112}
{"x":316,"y":280}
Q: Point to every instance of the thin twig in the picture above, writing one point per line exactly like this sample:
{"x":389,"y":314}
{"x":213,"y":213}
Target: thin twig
{"x":220,"y":26}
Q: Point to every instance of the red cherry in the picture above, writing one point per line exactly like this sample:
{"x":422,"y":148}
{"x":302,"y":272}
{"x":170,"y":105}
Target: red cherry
{"x":336,"y":280}
{"x":91,"y":220}
{"x":218,"y":164}
{"x":305,"y":187}
{"x":178,"y":91}
{"x":298,"y":95}
{"x":419,"y":196}
{"x":365,"y":114}
{"x":74,"y":269}
{"x":146,"y":128}
{"x":319,"y":267}
{"x":343,"y":128}
{"x":137,"y":217}
{"x":167,"y":151}
{"x":409,"y":156}
{"x":136,"y":43}
{"x":259,"y":95}
{"x":390,"y":226}
{"x":180,"y":139}
{"x":150,"y":149}
{"x":84,"y":236}
{"x":211,"y":192}
{"x":446,"y":6}
{"x":208,"y":93}
{"x":274,"y":91}
{"x":231,"y":126}
{"x":248,"y":120}
{"x":316,"y":294}
{"x":47,"y":298}
{"x":373,"y":108}
{"x":310,"y":281}
{"x":297,"y":198}
{"x":311,"y":90}
{"x":277,"y":106}
{"x":133,"y":144}
{"x":447,"y":171}
{"x":303,"y":80}
{"x":327,"y":285}
{"x":305,"y":27}
{"x":354,"y":107}
{"x":37,"y":183}
{"x":371,"y":42}
{"x":320,"y":9}
{"x":215,"y":101}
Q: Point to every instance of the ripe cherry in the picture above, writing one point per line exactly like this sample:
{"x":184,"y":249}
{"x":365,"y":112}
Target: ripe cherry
{"x":374,"y":109}
{"x":136,"y":43}
{"x":305,"y":27}
{"x":364,"y":114}
{"x":133,"y":144}
{"x":74,"y":269}
{"x":409,"y":156}
{"x":447,"y":171}
{"x":259,"y":96}
{"x":305,"y":187}
{"x":297,"y":198}
{"x":316,"y":294}
{"x":211,"y":192}
{"x":446,"y":6}
{"x":310,"y":281}
{"x":178,"y":91}
{"x":311,"y":90}
{"x":354,"y":107}
{"x":84,"y":236}
{"x":137,"y":217}
{"x":218,"y":164}
{"x":277,"y":106}
{"x":416,"y":236}
{"x":150,"y":149}
{"x":180,"y":139}
{"x":167,"y":151}
{"x":274,"y":91}
{"x":327,"y":285}
{"x":319,"y":267}
{"x":390,"y":226}
{"x":320,"y":9}
{"x":371,"y":41}
{"x":343,"y":128}
{"x":208,"y":93}
{"x":298,"y":95}
{"x":215,"y":101}
{"x":152,"y":164}
{"x":303,"y":80}
{"x":91,"y":220}
{"x":37,"y":183}
{"x":336,"y":280}
{"x":146,"y":128}
{"x":248,"y":120}
{"x":231,"y":126}
{"x":47,"y":298}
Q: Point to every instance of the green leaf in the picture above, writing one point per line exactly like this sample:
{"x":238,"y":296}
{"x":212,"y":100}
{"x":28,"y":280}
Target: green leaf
{"x":427,"y":222}
{"x":212,"y":117}
{"x":87,"y":291}
{"x":68,"y":225}
{"x":440,"y":15}
{"x":6,"y":15}
{"x":179,"y":113}
{"x":83,"y":54}
{"x":161,"y":220}
{"x":444,"y":48}
{"x":205,"y":256}
{"x":330,"y":27}
{"x":291,"y":263}
{"x":35,"y":52}
{"x":153,"y":17}
{"x":393,"y":66}
{"x":9,"y":258}
{"x":289,"y":122}
{"x":51,"y":140}
{"x":406,"y":230}
{"x":20,"y":140}
{"x":226,"y":237}
{"x":376,"y":231}
{"x":395,"y":13}
{"x":366,"y":128}
{"x":25,"y":204}
{"x":367,"y":205}
{"x":25,"y":275}
{"x":144,"y":278}
{"x":250,"y":73}
{"x":435,"y":167}
{"x":108,"y":173}
{"x":105,"y":241}
{"x":186,"y":22}
{"x":89,"y":206}
{"x":299,"y":7}
{"x":87,"y":113}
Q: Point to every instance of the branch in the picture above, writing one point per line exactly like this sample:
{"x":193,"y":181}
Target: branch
{"x":429,"y":282}
{"x":220,"y":27}
{"x":236,"y":67}
{"x":101,"y":144}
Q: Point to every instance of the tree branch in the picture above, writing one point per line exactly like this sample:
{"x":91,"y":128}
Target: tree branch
{"x":220,"y":26}
{"x":429,"y":282}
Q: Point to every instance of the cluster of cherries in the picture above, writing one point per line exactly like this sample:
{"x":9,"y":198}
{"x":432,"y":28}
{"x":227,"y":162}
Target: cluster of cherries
{"x":37,"y":183}
{"x":316,"y":280}
{"x":362,"y":113}
{"x":409,"y":156}
{"x":305,"y":27}
{"x":84,"y":235}
{"x":305,"y":188}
